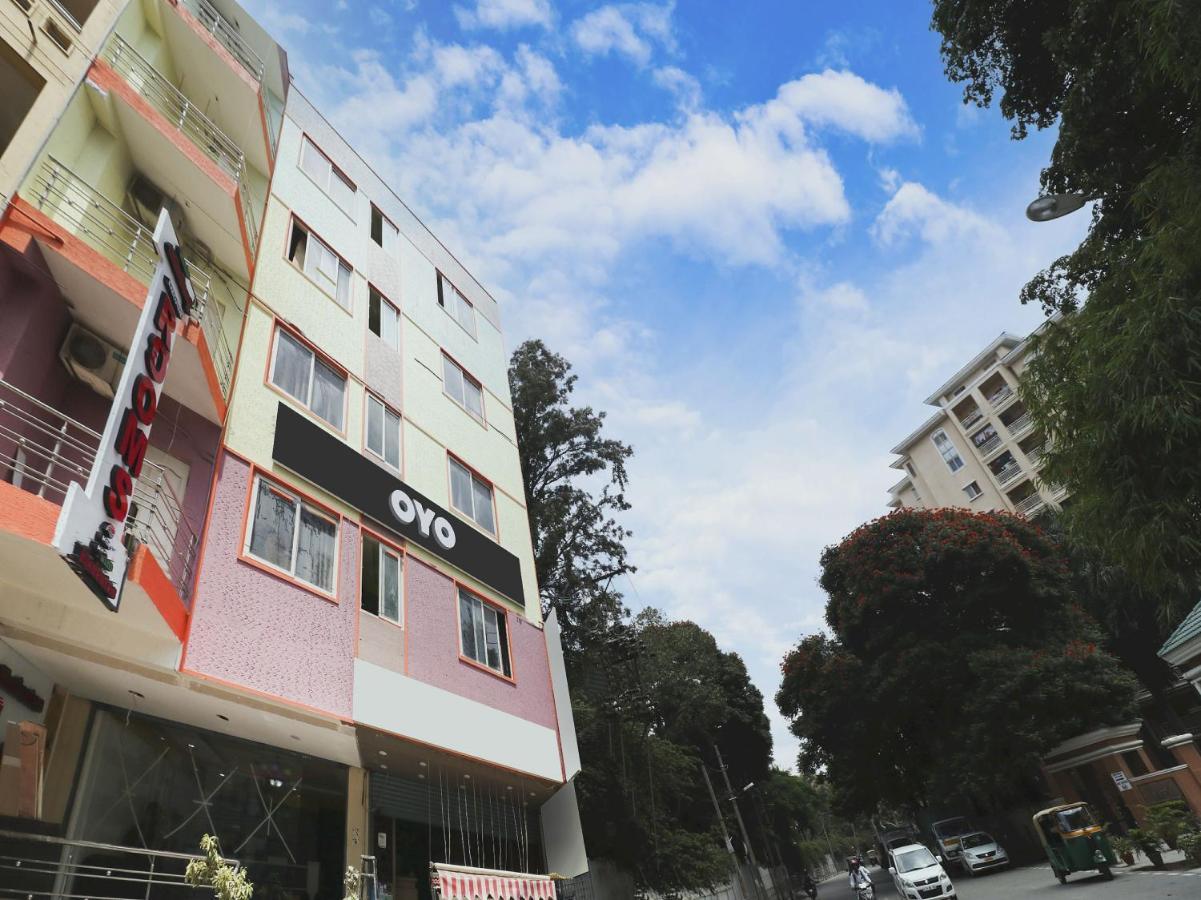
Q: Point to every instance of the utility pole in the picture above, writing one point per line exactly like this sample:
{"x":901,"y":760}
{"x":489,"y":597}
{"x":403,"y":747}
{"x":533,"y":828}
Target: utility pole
{"x":746,"y":838}
{"x":725,"y":834}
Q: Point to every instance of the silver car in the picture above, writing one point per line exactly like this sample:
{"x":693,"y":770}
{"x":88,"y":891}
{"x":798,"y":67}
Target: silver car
{"x":981,"y":853}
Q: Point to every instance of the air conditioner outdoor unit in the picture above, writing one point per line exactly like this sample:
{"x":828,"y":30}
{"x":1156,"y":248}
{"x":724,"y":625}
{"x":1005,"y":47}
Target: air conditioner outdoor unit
{"x":92,"y":360}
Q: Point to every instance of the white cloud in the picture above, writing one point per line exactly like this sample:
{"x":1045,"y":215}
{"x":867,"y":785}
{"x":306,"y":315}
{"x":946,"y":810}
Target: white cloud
{"x":845,"y":101}
{"x":505,"y":14}
{"x":628,"y":29}
{"x":685,"y":88}
{"x":914,"y":210}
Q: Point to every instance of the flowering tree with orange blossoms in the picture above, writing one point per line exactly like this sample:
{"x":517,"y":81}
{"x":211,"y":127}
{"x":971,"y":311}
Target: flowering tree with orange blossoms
{"x":957,"y":656}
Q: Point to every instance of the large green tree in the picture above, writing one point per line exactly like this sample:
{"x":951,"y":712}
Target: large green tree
{"x":575,"y":481}
{"x":943,"y":624}
{"x":1117,"y":377}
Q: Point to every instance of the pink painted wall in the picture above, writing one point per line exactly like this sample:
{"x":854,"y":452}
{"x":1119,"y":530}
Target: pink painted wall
{"x":432,"y":618}
{"x":262,"y":632}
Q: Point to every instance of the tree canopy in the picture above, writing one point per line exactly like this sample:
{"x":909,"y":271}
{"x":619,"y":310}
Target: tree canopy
{"x":944,"y":623}
{"x":1117,"y":376}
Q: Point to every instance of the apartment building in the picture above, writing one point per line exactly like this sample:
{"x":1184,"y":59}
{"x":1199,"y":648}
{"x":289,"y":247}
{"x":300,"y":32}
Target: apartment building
{"x":980,"y":449}
{"x":265,"y":565}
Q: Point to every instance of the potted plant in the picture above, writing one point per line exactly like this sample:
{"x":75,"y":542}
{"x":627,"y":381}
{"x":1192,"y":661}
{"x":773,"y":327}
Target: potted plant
{"x":228,"y":882}
{"x":1123,"y":847}
{"x":1147,"y":843}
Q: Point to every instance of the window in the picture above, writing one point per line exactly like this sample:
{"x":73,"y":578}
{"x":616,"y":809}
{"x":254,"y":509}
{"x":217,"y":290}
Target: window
{"x":383,"y":432}
{"x":289,"y":534}
{"x":328,"y":176}
{"x":949,"y":454}
{"x":380,"y":588}
{"x":471,"y":496}
{"x":296,"y":370}
{"x":462,"y":388}
{"x":483,"y":633}
{"x":309,"y":254}
{"x":972,"y":490}
{"x":453,"y":301}
{"x":383,"y":232}
{"x":383,"y":318}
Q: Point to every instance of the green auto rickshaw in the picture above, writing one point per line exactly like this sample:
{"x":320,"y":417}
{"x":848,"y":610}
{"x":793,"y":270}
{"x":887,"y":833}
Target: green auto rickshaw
{"x":1074,"y":841}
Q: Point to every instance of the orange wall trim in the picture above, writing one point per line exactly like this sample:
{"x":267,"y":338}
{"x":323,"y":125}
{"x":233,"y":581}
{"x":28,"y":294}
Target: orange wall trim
{"x":26,"y":514}
{"x":145,"y":572}
{"x":216,"y":46}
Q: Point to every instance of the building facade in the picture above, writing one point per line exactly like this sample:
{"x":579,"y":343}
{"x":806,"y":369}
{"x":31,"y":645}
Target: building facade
{"x":327,"y":643}
{"x":980,"y":450}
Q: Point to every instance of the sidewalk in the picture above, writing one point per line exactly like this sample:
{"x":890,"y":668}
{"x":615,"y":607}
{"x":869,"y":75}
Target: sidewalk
{"x":1173,"y":862}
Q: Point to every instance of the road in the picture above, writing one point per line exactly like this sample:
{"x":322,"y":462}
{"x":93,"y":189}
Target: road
{"x":1037,"y":881}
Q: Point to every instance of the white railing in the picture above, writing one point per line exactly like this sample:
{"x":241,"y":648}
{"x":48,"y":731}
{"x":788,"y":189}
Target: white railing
{"x":227,"y":35}
{"x":1021,"y":424}
{"x":1000,"y":396}
{"x":1036,"y":454}
{"x":1008,"y":473}
{"x":971,"y":418}
{"x":1030,"y":505}
{"x":126,"y":242}
{"x":989,"y":446}
{"x":43,"y":450}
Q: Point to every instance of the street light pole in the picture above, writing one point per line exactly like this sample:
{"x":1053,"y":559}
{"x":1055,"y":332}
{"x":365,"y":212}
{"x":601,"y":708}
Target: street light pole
{"x":725,"y":834}
{"x":746,"y":838}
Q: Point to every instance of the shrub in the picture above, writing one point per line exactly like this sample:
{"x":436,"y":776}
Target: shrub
{"x":1191,"y":845}
{"x":1169,"y":820}
{"x":227,"y":882}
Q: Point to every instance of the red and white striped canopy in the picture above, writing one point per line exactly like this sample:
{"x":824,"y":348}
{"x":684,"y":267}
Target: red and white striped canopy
{"x":464,"y":883}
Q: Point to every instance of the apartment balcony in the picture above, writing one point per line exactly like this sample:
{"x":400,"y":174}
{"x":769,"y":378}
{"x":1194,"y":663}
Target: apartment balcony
{"x":1021,"y":425}
{"x":184,"y":147}
{"x":971,"y":418}
{"x":1001,"y":398}
{"x":1036,"y":455}
{"x":1031,"y":505}
{"x":103,"y":259}
{"x":1008,"y":473}
{"x":225,"y":34}
{"x":43,"y":450}
{"x":989,"y":446}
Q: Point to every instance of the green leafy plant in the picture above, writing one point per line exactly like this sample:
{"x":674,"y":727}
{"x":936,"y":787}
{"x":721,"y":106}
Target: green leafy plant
{"x":1122,"y":846}
{"x":227,"y":882}
{"x":1191,"y":845}
{"x":351,"y":883}
{"x":1168,"y":821}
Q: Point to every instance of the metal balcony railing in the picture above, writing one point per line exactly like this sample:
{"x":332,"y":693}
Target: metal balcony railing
{"x":1008,"y":473}
{"x":971,"y":418}
{"x":989,"y":446}
{"x":1030,"y":505}
{"x":174,"y":105}
{"x":1000,"y":396}
{"x":126,"y":242}
{"x":1036,"y":454}
{"x":1020,"y":425}
{"x":227,"y":35}
{"x":43,"y":450}
{"x":47,"y":867}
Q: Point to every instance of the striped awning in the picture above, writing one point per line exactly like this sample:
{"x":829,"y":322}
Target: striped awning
{"x":466,"y":883}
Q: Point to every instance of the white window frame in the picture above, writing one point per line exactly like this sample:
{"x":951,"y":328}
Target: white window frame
{"x":389,"y":233}
{"x":385,"y":411}
{"x":312,"y":268}
{"x":306,"y":401}
{"x":301,"y":503}
{"x":500,"y":615}
{"x":385,"y":550}
{"x":373,"y":291}
{"x":331,"y":172}
{"x":467,"y":378}
{"x":951,"y":445}
{"x":448,"y":296}
{"x":971,"y":496}
{"x":475,"y":479}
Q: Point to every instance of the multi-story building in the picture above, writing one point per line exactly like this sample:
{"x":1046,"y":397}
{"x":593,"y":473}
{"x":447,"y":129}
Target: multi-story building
{"x":326,"y":642}
{"x":980,"y":449}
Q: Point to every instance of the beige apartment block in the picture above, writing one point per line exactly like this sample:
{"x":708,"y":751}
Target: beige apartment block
{"x":980,"y":450}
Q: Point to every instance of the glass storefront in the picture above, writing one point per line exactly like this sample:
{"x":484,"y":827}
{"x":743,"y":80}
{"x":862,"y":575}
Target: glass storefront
{"x":153,"y":784}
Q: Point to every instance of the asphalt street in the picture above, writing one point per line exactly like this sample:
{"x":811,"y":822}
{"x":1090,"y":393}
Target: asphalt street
{"x":1037,"y":881}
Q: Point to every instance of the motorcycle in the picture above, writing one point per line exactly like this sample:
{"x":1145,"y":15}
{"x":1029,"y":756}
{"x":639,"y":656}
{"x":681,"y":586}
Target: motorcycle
{"x":810,"y":887}
{"x":866,"y":892}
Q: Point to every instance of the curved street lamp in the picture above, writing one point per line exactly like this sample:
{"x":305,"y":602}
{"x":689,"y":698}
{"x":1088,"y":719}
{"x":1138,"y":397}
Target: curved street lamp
{"x":1054,"y":206}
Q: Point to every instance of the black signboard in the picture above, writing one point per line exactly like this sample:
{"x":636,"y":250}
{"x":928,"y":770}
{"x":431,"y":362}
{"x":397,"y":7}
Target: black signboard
{"x":312,"y":452}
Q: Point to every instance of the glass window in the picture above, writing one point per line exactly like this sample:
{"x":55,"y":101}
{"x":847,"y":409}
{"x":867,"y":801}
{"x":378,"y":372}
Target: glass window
{"x":471,"y":496}
{"x":462,"y":388}
{"x":298,"y":372}
{"x":947,"y":450}
{"x":383,"y":432}
{"x":328,"y":176}
{"x":972,"y":489}
{"x":483,"y":632}
{"x":313,"y":257}
{"x":383,"y":318}
{"x":453,"y":301}
{"x":915,"y":859}
{"x":292,"y":535}
{"x":383,"y":232}
{"x":380,"y":587}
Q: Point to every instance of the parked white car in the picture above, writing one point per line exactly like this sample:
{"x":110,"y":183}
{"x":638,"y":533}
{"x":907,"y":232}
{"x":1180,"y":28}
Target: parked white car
{"x":981,"y":853}
{"x":918,"y":874}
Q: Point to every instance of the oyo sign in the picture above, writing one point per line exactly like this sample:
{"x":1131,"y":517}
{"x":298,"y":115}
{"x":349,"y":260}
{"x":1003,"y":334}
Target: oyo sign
{"x":409,"y":511}
{"x":91,"y":526}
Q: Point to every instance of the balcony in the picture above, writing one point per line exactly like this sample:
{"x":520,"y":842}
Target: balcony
{"x":988,"y":446}
{"x":1035,"y":455}
{"x":44,"y":450}
{"x":109,"y":304}
{"x":199,"y":130}
{"x":1001,"y":398}
{"x":971,"y":418}
{"x":1020,"y":425}
{"x":1008,"y":473}
{"x":216,"y":25}
{"x":1030,"y":505}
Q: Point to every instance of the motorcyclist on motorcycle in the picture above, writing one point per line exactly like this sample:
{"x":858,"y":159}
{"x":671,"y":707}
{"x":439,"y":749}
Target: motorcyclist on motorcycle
{"x":857,"y":876}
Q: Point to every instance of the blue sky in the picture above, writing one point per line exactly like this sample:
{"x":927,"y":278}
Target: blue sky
{"x":762,"y":232}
